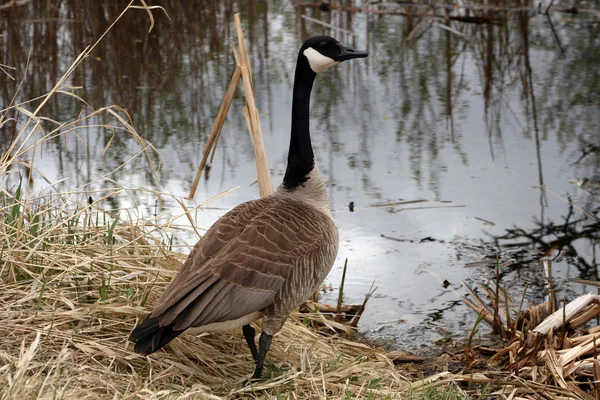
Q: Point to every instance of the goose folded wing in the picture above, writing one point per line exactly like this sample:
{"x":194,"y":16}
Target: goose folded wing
{"x":227,"y":279}
{"x":197,"y":271}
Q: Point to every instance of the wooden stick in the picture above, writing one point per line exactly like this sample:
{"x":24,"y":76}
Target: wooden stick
{"x":356,"y":318}
{"x":487,"y":315}
{"x":243,"y":53}
{"x":555,"y":320}
{"x":235,"y":53}
{"x":309,"y":306}
{"x":585,"y":282}
{"x":585,"y":317}
{"x":398,"y":357}
{"x":265,"y":184}
{"x":214,"y":148}
{"x":249,"y":123}
{"x":551,"y":297}
{"x":414,"y":30}
{"x":217,"y":126}
{"x":457,"y":33}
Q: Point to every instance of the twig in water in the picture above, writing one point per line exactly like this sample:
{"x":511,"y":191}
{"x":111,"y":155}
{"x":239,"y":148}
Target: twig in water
{"x":427,"y":208}
{"x":356,"y":318}
{"x":442,"y":26}
{"x":325,"y":24}
{"x":396,"y":239}
{"x":399,"y":203}
{"x":585,"y":282}
{"x":484,"y":263}
{"x":485,"y":221}
{"x":562,"y":50}
{"x":414,"y":30}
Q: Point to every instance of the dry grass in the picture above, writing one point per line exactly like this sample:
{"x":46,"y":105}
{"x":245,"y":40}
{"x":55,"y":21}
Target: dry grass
{"x":72,"y":293}
{"x":76,"y":276}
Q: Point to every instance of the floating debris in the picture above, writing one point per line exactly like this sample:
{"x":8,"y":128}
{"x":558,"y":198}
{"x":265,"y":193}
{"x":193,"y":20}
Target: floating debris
{"x":485,"y":221}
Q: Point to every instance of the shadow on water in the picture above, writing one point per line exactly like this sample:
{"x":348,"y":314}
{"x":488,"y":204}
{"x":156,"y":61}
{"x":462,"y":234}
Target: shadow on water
{"x":496,"y":112}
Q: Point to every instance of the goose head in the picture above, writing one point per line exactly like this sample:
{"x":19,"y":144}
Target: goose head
{"x":323,"y":52}
{"x":316,"y":54}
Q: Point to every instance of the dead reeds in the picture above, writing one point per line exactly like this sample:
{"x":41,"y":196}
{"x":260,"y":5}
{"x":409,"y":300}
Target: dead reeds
{"x":68,"y":306}
{"x":545,"y":345}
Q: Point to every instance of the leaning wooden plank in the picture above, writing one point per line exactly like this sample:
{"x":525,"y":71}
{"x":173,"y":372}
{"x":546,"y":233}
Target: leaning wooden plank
{"x":244,"y":59}
{"x":265,"y":184}
{"x":217,"y":126}
{"x":557,"y":318}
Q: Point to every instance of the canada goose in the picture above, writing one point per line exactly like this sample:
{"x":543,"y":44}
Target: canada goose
{"x":265,"y":257}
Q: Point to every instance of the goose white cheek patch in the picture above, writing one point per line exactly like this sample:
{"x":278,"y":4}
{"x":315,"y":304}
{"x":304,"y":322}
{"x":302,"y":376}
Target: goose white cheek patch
{"x":318,"y":62}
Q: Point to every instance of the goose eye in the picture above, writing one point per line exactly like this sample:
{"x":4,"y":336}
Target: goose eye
{"x":323,"y":45}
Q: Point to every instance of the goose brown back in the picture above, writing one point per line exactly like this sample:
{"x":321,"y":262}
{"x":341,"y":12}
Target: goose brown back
{"x":262,"y":255}
{"x":263,"y":258}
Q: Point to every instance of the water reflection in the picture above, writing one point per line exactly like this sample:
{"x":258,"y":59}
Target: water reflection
{"x":499,"y":117}
{"x":571,"y":236}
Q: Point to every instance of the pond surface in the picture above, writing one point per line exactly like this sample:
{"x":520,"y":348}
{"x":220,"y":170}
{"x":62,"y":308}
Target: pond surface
{"x":489,"y":125}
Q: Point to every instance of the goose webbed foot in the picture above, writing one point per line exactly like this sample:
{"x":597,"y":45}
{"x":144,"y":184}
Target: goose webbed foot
{"x":263,"y":347}
{"x":249,"y":334}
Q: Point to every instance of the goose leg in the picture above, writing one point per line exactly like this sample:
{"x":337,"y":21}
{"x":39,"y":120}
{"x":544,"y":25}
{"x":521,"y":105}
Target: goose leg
{"x":249,"y":333}
{"x":263,"y":347}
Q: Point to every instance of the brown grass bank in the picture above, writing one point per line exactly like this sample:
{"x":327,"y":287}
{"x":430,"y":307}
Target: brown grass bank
{"x":71,"y":295}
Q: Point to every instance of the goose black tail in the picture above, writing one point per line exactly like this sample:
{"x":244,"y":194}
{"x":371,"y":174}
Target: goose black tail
{"x":149,"y":336}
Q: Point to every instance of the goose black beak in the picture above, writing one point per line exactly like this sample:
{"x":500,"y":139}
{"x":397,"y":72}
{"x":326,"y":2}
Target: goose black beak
{"x":349,"y":53}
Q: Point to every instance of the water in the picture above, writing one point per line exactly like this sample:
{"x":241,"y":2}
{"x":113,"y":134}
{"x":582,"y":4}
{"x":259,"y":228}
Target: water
{"x":490,"y":124}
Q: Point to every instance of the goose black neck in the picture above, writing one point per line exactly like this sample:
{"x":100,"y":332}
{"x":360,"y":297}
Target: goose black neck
{"x":301,"y":159}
